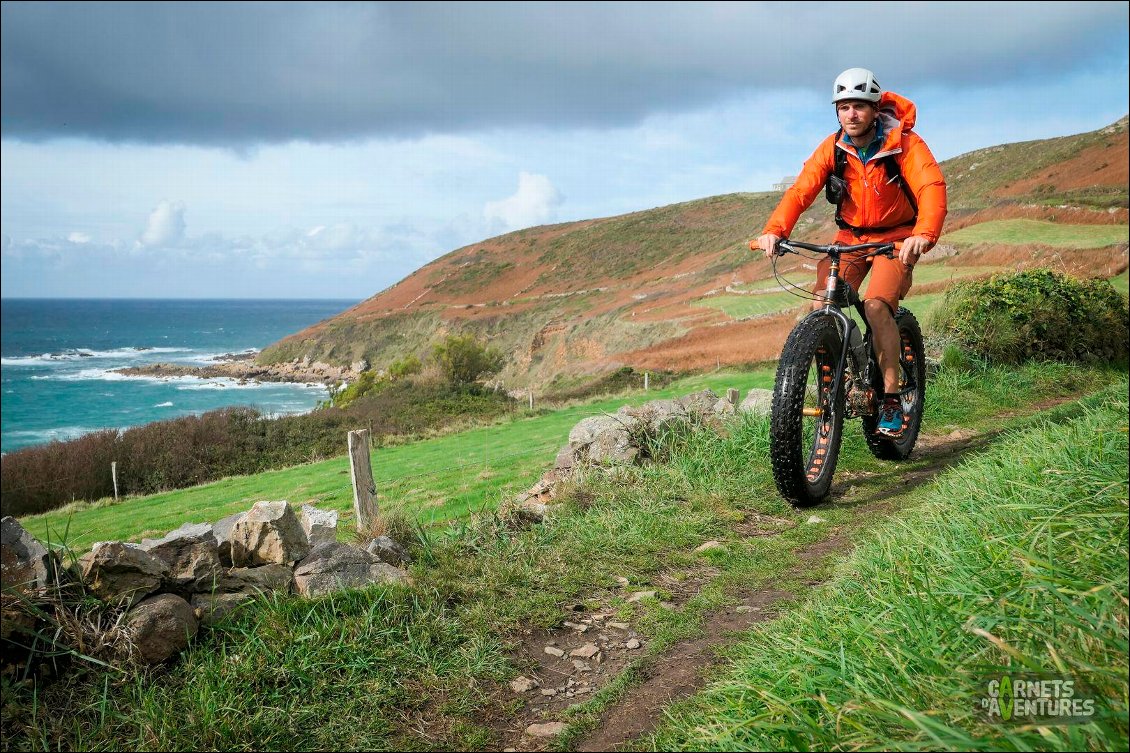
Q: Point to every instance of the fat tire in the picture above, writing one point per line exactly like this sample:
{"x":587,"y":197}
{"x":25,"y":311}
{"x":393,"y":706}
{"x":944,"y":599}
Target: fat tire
{"x":912,"y":356}
{"x":803,"y":475}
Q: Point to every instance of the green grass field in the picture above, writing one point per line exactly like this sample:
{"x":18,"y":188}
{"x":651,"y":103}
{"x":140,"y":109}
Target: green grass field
{"x":742,"y":306}
{"x":425,"y":666}
{"x":1014,"y":562}
{"x":1040,"y":232}
{"x":1121,"y":282}
{"x":432,"y":480}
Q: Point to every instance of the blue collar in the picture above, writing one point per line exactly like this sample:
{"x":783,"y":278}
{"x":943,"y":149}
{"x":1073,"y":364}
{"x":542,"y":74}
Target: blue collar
{"x":867,"y":152}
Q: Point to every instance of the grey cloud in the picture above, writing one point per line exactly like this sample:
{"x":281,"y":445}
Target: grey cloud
{"x":237,"y":75}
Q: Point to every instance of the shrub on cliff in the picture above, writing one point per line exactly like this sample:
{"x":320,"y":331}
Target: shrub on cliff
{"x":463,"y":359}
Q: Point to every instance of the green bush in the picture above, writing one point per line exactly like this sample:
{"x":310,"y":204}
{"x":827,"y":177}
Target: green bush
{"x":1037,"y":315}
{"x":406,"y":366}
{"x":462,"y":359}
{"x":369,"y":383}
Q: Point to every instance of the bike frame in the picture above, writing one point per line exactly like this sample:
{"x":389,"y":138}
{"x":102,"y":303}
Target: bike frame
{"x":859,"y":344}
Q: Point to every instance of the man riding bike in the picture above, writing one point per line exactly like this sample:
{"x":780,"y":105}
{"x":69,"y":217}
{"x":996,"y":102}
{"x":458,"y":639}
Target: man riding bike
{"x":887,"y":187}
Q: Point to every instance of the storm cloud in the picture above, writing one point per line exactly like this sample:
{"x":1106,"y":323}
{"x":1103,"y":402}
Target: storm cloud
{"x":236,"y":75}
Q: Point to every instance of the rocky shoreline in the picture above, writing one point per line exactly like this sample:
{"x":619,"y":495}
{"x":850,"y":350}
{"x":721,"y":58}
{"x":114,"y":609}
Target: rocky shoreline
{"x":243,"y":368}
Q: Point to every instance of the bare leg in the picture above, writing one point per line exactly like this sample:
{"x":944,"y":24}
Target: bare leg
{"x":886,"y":338}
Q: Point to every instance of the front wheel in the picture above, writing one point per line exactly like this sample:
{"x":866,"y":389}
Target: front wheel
{"x":807,"y":423}
{"x":912,"y":391}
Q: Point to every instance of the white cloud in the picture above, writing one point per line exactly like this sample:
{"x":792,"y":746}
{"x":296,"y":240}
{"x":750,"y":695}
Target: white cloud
{"x":534,"y":203}
{"x":165,"y":226}
{"x":78,"y":237}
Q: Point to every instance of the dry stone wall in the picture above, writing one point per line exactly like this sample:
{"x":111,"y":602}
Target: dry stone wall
{"x":200,"y":572}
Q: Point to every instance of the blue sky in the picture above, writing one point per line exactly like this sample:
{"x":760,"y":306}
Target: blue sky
{"x":328,"y":150}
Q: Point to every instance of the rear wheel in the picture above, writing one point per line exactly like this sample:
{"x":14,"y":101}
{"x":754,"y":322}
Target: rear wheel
{"x":912,"y":390}
{"x":807,"y":425}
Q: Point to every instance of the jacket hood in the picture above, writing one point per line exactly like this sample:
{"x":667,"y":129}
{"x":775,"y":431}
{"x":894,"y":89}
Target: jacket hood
{"x":897,"y":108}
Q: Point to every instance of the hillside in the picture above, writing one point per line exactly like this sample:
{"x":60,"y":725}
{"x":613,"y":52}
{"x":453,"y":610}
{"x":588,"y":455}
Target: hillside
{"x":654,"y":289}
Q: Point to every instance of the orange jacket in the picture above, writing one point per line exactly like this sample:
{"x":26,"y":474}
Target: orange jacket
{"x":872,"y":201}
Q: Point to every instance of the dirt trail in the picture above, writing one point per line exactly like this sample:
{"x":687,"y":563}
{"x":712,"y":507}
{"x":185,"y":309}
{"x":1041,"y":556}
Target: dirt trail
{"x":683,"y":669}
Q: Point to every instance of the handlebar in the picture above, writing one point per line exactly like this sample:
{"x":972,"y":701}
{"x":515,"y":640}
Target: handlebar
{"x":881,"y":249}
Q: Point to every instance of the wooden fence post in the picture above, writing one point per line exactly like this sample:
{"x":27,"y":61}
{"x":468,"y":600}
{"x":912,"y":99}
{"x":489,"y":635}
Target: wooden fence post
{"x":645,"y":380}
{"x":732,"y":397}
{"x":364,"y":488}
{"x":531,"y":399}
{"x":114,"y":475}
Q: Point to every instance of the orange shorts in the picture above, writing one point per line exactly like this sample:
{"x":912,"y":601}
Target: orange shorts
{"x":890,"y":278}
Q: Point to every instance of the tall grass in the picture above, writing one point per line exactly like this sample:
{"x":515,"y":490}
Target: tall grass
{"x":408,"y":668}
{"x":1018,"y":560}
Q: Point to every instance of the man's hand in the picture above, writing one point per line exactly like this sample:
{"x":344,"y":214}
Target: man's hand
{"x":767,"y":243}
{"x":912,"y":248}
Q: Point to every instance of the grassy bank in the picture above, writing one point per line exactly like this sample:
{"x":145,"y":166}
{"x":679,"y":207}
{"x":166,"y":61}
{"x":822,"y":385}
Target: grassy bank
{"x":433,"y":480}
{"x":1016,"y":562}
{"x":423,"y":667}
{"x":1027,"y":232}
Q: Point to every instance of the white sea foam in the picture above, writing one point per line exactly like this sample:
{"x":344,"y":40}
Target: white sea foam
{"x":235,"y":384}
{"x":78,"y":354}
{"x":62,"y":433}
{"x":163,"y":405}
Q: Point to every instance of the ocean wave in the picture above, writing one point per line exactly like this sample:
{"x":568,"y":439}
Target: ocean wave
{"x":165,"y":404}
{"x":226,"y":383}
{"x":182,"y":382}
{"x":62,"y":433}
{"x":78,"y":354}
{"x":210,"y":358}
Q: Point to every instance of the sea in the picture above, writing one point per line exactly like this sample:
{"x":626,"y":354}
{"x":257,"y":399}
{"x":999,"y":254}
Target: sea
{"x":59,"y":356}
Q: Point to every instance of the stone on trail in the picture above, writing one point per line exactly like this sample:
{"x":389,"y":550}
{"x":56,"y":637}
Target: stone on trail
{"x":632,"y":644}
{"x":554,"y":651}
{"x":160,"y":627}
{"x":708,"y":545}
{"x":546,"y":729}
{"x":640,"y":596}
{"x":268,"y":534}
{"x":815,"y":519}
{"x":523,"y":684}
{"x":587,"y":651}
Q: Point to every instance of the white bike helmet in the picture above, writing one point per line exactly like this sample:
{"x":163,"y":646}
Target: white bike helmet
{"x":856,"y":83}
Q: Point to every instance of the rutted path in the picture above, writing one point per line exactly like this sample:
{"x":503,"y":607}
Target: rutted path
{"x":569,"y":665}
